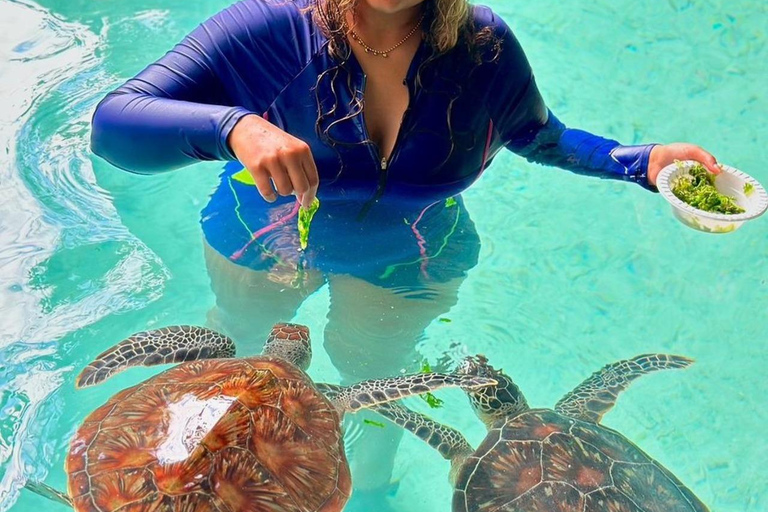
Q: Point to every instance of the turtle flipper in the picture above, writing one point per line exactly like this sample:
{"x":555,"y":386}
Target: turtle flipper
{"x":159,"y":346}
{"x":49,"y":492}
{"x":594,"y":397}
{"x":448,"y":441}
{"x":374,"y":392}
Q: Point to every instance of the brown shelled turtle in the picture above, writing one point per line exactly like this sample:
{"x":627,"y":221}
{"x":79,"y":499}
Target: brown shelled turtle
{"x":561,"y":460}
{"x":218,"y":434}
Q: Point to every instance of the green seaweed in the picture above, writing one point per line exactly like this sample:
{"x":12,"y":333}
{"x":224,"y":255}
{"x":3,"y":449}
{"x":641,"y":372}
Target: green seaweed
{"x":445,"y":320}
{"x":432,"y":401}
{"x":748,"y":189}
{"x":697,"y":188}
{"x":305,"y":219}
{"x":450,"y":202}
{"x":374,"y":423}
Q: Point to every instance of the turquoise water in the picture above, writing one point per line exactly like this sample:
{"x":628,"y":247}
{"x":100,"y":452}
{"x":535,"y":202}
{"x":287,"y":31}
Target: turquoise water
{"x":574,"y":272}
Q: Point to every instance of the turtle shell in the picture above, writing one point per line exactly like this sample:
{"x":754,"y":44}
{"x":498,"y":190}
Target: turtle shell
{"x":541,"y":461}
{"x":246,"y":435}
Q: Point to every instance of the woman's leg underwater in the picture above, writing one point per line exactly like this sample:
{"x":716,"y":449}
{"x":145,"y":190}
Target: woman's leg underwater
{"x":249,"y":302}
{"x":373,"y":332}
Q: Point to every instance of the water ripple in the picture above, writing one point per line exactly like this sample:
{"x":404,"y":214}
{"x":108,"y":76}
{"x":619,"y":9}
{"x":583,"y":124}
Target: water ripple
{"x":66,"y":259}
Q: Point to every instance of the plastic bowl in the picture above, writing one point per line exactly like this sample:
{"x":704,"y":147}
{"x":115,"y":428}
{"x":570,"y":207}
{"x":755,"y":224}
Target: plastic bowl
{"x":730,"y":182}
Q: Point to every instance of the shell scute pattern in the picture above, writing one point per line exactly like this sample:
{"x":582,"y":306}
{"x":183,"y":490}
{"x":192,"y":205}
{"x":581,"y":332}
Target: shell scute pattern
{"x":79,"y":484}
{"x":303,"y":464}
{"x":189,"y":475}
{"x":543,"y":461}
{"x":535,"y":425}
{"x":232,"y":429}
{"x":119,"y":448}
{"x":317,"y":418}
{"x":649,"y":485}
{"x":241,"y":483}
{"x":246,"y":435}
{"x":146,"y":406}
{"x":610,"y":499}
{"x":568,"y":459}
{"x":489,"y":481}
{"x":117,"y":489}
{"x":201,"y":372}
{"x":279,"y":368}
{"x":552,"y":497}
{"x":608,"y":441}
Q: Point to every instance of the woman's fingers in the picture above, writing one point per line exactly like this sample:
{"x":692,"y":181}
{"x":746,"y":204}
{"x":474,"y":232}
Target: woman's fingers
{"x":263,"y":183}
{"x":313,"y":179}
{"x":277,"y":160}
{"x":282,"y":179}
{"x":706,"y":159}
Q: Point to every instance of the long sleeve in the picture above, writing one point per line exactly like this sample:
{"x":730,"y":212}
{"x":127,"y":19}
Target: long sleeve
{"x":182,"y":108}
{"x":529,"y":129}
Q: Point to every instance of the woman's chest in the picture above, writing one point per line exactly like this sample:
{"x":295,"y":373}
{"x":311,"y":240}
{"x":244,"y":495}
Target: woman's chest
{"x":443,"y":136}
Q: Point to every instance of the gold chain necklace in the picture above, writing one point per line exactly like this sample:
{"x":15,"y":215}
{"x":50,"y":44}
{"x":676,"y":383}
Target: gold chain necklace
{"x":385,"y":53}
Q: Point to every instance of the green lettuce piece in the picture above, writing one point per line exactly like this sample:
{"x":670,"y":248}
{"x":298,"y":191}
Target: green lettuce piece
{"x":432,"y":401}
{"x":305,"y":219}
{"x":450,"y":202}
{"x":244,"y":177}
{"x":374,"y":423}
{"x":748,"y":189}
{"x":697,"y":188}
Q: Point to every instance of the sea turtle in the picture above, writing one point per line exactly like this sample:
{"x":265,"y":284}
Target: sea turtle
{"x":544,"y":460}
{"x":219,"y":434}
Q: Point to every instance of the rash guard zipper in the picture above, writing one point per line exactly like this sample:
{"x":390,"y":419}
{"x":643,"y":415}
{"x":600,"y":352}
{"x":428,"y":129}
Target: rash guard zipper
{"x":383,"y":161}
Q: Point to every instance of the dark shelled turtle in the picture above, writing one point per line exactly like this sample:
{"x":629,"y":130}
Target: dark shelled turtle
{"x":544,"y":460}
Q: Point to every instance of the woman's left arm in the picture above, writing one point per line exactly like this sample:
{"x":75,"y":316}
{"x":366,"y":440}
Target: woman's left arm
{"x":528,"y":128}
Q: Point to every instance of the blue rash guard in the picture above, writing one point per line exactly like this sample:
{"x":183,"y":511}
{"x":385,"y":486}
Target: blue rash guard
{"x":394,"y":223}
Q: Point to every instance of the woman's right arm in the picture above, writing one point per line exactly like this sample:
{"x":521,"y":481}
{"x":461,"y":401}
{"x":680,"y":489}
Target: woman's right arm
{"x":184,"y":108}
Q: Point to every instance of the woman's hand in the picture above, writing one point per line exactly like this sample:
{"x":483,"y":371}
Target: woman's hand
{"x":662,"y":156}
{"x":276,"y":160}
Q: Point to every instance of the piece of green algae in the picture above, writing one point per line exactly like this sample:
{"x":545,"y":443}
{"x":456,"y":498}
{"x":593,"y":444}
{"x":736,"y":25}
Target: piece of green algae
{"x":432,"y":401}
{"x":374,"y":423}
{"x":305,"y":219}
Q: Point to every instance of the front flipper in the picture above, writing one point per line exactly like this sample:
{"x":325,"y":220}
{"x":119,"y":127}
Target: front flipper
{"x":448,"y":441}
{"x":49,"y":492}
{"x":379,"y":391}
{"x":594,"y":397}
{"x":159,"y":346}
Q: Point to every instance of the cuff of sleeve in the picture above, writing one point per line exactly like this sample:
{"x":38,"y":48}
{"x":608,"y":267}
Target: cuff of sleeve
{"x":634,"y":161}
{"x":226,"y":127}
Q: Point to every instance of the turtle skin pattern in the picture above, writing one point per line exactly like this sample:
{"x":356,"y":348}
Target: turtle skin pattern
{"x":228,"y":435}
{"x":542,"y":461}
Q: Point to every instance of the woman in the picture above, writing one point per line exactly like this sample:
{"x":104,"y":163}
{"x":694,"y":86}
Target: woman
{"x":384,"y":109}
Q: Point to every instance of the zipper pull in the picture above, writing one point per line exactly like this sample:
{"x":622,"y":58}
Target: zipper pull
{"x":384,"y":164}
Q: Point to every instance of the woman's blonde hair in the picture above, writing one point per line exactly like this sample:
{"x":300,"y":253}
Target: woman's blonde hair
{"x":445,"y":21}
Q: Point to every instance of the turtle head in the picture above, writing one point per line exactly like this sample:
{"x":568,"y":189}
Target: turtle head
{"x":290,"y":342}
{"x":492,"y":403}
